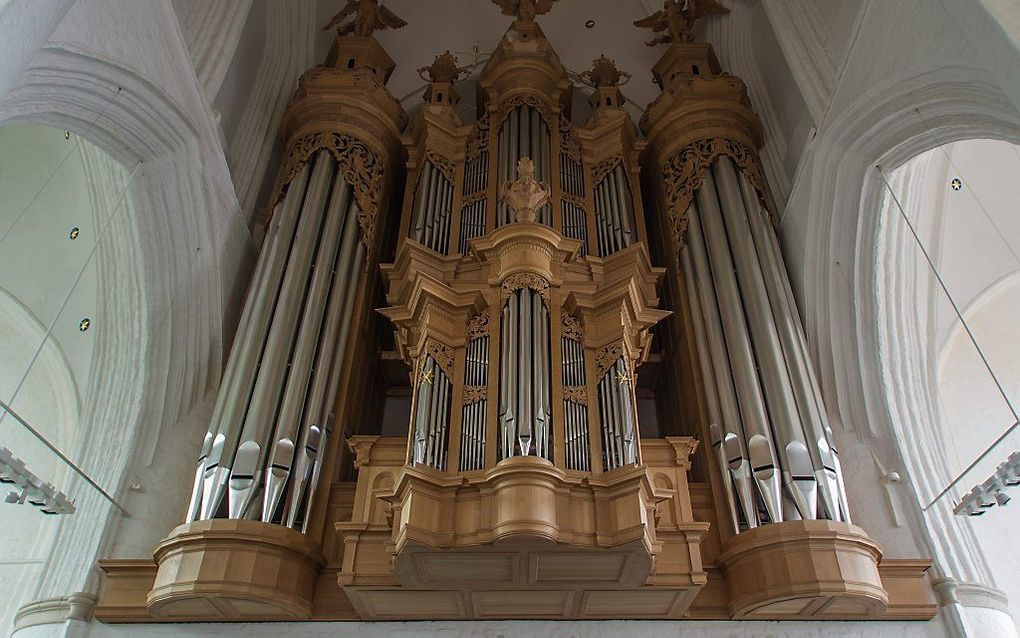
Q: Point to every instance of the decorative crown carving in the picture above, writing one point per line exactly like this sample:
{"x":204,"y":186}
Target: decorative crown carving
{"x":525,"y":195}
{"x":604,"y":73}
{"x":369,"y":17}
{"x":443,"y":69}
{"x":677,"y":19}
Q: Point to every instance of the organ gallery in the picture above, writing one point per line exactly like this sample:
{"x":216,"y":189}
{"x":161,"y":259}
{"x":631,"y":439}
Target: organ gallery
{"x":539,"y":362}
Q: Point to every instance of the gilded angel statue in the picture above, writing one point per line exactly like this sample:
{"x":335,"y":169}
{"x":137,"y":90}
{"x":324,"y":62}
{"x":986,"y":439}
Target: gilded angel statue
{"x":677,"y":19}
{"x":525,"y":10}
{"x":369,"y":17}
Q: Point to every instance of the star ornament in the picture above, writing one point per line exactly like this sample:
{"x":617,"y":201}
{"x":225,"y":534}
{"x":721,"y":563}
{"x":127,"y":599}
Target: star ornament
{"x":623,"y":378}
{"x":427,"y":377}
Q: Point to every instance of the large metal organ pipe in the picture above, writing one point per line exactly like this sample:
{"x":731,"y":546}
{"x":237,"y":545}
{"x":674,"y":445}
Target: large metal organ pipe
{"x":614,"y":212}
{"x":431,"y":415}
{"x":273,"y":413}
{"x":525,"y":417}
{"x":770,"y":430}
{"x":616,"y":416}
{"x":575,"y":405}
{"x":433,"y":209}
{"x":523,"y":133}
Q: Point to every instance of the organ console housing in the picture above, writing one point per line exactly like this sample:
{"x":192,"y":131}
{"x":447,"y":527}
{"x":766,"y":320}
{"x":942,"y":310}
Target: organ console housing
{"x":563,"y":376}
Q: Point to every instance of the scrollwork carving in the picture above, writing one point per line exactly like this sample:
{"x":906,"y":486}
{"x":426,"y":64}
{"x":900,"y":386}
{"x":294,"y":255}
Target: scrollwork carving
{"x":442,"y":354}
{"x":360,"y":167}
{"x":572,"y":199}
{"x":603,"y":168}
{"x":513,"y":283}
{"x":571,"y":329}
{"x":473,"y":198}
{"x":445,"y":166}
{"x":684,"y":174}
{"x":475,"y":394}
{"x":480,"y":141}
{"x":575,"y":394}
{"x":605,"y":357}
{"x":568,"y":143}
{"x":478,"y":327}
{"x":526,"y":100}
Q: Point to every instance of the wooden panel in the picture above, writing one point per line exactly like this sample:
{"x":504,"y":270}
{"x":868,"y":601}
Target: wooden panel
{"x":522,"y":604}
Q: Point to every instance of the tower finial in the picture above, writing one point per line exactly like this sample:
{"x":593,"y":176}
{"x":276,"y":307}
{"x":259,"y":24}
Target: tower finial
{"x":369,"y":17}
{"x":525,"y":10}
{"x":604,"y":73}
{"x":443,"y":69}
{"x":677,"y":19}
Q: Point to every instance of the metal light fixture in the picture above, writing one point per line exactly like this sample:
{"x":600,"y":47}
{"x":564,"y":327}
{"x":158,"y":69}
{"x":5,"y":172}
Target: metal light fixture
{"x":27,"y":487}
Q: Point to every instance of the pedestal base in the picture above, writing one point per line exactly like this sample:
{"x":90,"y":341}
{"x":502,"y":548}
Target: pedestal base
{"x":234,"y":570}
{"x":804,"y":569}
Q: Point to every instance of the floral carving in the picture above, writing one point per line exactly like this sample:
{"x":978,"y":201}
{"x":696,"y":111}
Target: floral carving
{"x":684,"y":174}
{"x":575,"y":394}
{"x":603,"y":168}
{"x":513,"y":283}
{"x":445,"y":166}
{"x":606,"y":357}
{"x":478,"y":327}
{"x":475,"y":394}
{"x":571,"y":329}
{"x":359,"y":165}
{"x":442,"y":354}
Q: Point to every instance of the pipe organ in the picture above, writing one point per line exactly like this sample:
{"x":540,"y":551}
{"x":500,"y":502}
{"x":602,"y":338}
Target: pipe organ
{"x":511,"y":334}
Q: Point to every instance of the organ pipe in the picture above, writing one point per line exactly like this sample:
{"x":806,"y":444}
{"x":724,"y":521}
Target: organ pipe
{"x":614,"y":212}
{"x":432,"y":411}
{"x":525,"y":415}
{"x":524,"y":133}
{"x":473,"y":420}
{"x":616,"y":416}
{"x":771,"y":414}
{"x":575,"y":405}
{"x":273,"y":415}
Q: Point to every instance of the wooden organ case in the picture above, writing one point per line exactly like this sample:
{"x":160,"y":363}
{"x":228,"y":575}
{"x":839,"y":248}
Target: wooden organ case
{"x":522,"y":296}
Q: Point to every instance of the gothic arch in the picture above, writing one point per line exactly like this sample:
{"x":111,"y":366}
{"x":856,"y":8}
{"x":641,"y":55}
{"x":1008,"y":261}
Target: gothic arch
{"x":182,"y":238}
{"x":845,"y":301}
